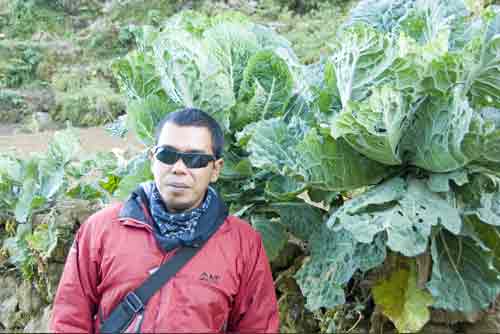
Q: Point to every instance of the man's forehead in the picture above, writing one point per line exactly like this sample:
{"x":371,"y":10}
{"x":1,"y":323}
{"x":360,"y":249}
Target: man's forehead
{"x":186,"y":138}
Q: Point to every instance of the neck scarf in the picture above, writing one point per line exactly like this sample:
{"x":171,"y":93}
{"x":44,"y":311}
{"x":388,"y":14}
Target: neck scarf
{"x":184,"y":228}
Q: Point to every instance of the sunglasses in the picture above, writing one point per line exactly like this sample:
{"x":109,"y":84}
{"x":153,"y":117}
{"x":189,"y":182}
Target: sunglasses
{"x":191,"y":160}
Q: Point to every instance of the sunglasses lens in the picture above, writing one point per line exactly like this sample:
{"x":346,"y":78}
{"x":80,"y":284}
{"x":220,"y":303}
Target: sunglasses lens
{"x":194,"y":160}
{"x":197,"y":161}
{"x":191,"y":160}
{"x":166,"y":156}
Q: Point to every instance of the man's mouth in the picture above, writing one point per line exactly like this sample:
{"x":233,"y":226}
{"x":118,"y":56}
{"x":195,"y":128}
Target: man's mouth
{"x":177,"y":185}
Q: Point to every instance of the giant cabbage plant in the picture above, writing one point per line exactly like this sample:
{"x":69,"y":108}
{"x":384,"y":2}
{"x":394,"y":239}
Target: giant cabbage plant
{"x":412,"y":88}
{"x":242,"y":74}
{"x":402,"y":117}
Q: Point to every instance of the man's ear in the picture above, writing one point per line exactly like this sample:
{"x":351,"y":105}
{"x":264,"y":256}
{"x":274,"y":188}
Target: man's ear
{"x":218,"y":165}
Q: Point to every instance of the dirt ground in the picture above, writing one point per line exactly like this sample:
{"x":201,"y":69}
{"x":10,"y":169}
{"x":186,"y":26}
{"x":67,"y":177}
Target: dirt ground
{"x":92,"y":140}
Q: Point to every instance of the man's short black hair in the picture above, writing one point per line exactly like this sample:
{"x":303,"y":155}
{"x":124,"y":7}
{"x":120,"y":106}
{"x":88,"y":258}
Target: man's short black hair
{"x":198,"y":118}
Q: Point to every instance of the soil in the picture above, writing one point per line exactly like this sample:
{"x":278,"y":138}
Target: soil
{"x":92,"y":140}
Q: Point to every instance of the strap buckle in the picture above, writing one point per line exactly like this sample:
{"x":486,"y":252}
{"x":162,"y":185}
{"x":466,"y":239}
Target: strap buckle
{"x":134,"y":302}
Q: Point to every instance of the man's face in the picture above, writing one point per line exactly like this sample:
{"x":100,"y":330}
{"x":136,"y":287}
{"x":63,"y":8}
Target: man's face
{"x":184,"y":188}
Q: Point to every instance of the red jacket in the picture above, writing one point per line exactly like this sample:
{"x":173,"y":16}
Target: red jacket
{"x":227,"y":285}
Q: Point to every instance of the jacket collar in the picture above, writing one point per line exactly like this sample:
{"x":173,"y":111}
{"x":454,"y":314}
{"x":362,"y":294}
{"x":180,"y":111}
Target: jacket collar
{"x":134,"y":209}
{"x":135,"y":212}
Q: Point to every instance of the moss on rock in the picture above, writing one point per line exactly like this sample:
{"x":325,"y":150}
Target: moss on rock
{"x":15,"y":105}
{"x":57,"y":55}
{"x":94,"y":104}
{"x":12,"y":106}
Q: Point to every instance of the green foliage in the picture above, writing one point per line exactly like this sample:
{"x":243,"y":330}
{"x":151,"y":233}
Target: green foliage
{"x":20,"y":64}
{"x":402,"y":301}
{"x":12,"y":106}
{"x":142,"y":13}
{"x":405,"y":210}
{"x":377,"y":127}
{"x":38,"y":180}
{"x":29,"y":16}
{"x":300,"y":219}
{"x":388,"y":111}
{"x":239,"y":72}
{"x":402,"y":118}
{"x":136,"y":172}
{"x":335,"y":257}
{"x":314,"y":158}
{"x":403,"y":90}
{"x":462,"y":275}
{"x":274,"y":236}
{"x":32,"y":186}
{"x":94,"y":104}
{"x":302,"y":6}
{"x":108,"y":41}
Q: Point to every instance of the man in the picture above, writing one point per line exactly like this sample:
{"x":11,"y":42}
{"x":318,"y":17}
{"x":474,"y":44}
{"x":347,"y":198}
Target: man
{"x":226,"y":286}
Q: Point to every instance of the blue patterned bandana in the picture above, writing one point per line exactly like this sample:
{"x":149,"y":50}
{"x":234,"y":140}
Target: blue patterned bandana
{"x":180,"y":226}
{"x":172,"y":230}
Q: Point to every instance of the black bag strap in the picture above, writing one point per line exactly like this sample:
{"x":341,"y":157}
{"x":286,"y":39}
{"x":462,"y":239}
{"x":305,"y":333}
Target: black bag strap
{"x":134,"y":302}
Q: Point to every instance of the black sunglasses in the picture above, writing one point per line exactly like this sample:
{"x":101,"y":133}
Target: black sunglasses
{"x":191,"y":160}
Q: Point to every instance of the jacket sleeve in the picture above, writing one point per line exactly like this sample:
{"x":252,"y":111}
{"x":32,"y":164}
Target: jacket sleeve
{"x":255,"y":309}
{"x":76,"y":299}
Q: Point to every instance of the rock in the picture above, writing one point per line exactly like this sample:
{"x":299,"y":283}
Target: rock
{"x":39,"y":324}
{"x":15,"y":105}
{"x":447,"y":317}
{"x":8,"y":287}
{"x":44,"y":121}
{"x":54,"y":276}
{"x":38,"y":122}
{"x":28,"y":298}
{"x":8,"y":314}
{"x":72,"y":213}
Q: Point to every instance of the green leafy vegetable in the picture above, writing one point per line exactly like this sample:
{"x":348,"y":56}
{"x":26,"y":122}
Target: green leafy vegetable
{"x":403,"y":302}
{"x":273,"y":235}
{"x":334,"y":259}
{"x":463,"y":278}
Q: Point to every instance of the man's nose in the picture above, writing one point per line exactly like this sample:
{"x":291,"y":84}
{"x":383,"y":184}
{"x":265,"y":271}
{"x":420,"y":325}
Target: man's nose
{"x":179,"y":167}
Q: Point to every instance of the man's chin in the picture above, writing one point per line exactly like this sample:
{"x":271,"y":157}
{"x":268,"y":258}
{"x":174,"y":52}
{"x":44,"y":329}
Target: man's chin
{"x":177,"y":206}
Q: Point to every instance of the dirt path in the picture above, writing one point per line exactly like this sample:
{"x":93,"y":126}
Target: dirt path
{"x":92,"y":140}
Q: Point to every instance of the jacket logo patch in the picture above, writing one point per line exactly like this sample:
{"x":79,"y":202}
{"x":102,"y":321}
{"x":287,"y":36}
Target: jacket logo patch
{"x":210,"y":278}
